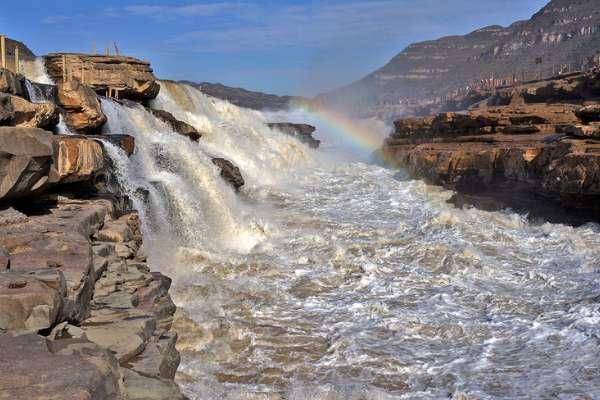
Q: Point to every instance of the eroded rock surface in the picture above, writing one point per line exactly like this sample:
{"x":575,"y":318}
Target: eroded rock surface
{"x":72,"y":262}
{"x":302,"y":132}
{"x":81,"y":104}
{"x":132,"y":77}
{"x":550,"y":150}
{"x":25,"y":160}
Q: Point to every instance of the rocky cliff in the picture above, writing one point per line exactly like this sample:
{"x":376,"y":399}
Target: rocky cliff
{"x":129,"y":77}
{"x":536,"y":142}
{"x":81,"y":313}
{"x":561,"y":36}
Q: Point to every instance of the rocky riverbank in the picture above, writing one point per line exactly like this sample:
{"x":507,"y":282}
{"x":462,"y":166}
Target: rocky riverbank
{"x":82,"y":315}
{"x":537,"y":141}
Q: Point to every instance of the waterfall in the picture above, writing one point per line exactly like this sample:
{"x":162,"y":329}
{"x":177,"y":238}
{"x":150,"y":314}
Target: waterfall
{"x":38,"y":85}
{"x":177,"y":188}
{"x":237,"y":134}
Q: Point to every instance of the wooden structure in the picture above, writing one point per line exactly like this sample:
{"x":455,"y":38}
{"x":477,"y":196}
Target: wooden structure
{"x":3,"y":51}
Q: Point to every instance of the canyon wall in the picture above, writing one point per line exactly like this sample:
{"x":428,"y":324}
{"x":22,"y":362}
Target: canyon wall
{"x":561,"y":36}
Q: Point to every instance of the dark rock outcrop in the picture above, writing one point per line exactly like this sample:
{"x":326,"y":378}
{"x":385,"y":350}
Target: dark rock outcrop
{"x":82,"y":107}
{"x":178,"y":126}
{"x":302,"y":132}
{"x":133,"y":78}
{"x":229,"y":172}
{"x":11,"y":83}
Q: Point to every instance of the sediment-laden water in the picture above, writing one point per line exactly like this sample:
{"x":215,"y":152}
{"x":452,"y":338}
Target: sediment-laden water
{"x":330,"y":279}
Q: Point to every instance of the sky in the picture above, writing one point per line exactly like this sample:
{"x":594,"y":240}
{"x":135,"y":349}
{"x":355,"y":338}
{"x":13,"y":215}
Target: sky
{"x":283,"y":47}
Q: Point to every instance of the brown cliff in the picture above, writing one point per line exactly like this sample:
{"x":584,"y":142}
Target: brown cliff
{"x":548,"y":150}
{"x":133,"y":78}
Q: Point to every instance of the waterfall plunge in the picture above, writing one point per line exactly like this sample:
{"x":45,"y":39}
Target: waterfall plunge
{"x":181,"y":197}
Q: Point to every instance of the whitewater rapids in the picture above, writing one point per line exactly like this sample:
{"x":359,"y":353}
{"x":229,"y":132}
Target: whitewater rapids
{"x":334,"y":279}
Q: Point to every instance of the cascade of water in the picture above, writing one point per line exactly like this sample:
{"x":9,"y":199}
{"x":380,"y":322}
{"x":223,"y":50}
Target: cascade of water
{"x":349,"y":283}
{"x":35,"y":72}
{"x":234,"y":133}
{"x":176,"y":186}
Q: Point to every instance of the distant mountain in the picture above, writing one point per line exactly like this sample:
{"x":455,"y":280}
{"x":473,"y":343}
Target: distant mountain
{"x":246,"y":98}
{"x":564,"y":32}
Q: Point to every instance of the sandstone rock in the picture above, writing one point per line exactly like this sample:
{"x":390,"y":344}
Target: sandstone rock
{"x":11,"y":83}
{"x":4,"y":259}
{"x":178,"y":126}
{"x":33,"y":368}
{"x":25,"y":159}
{"x":126,"y":339}
{"x":159,"y":359}
{"x":77,"y":159}
{"x":125,"y":142}
{"x":65,"y":330}
{"x":590,"y":113}
{"x":229,"y":172}
{"x":139,"y":387}
{"x":33,"y":115}
{"x":302,"y":132}
{"x":583,"y":131}
{"x":132,"y":77}
{"x":27,"y":304}
{"x":115,"y":231}
{"x":56,"y":238}
{"x":83,"y":110}
{"x":6,"y":110}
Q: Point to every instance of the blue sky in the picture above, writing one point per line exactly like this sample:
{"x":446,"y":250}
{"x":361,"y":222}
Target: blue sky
{"x":284,"y":47}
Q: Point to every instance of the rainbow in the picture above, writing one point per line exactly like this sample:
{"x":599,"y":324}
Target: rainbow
{"x":346,"y":128}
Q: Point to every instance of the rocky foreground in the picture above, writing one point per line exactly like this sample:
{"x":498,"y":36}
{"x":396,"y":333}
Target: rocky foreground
{"x":524,"y":144}
{"x":82,"y":315}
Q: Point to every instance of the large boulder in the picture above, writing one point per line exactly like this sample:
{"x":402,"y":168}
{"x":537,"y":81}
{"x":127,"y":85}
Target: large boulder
{"x":132,"y":77}
{"x":25,"y":160}
{"x":77,"y":159}
{"x":83,"y":109}
{"x":11,"y":83}
{"x":6,"y":110}
{"x":29,"y":303}
{"x":590,"y":113}
{"x":302,"y":132}
{"x":178,"y":126}
{"x":31,"y":115}
{"x":32,"y":367}
{"x":229,"y":172}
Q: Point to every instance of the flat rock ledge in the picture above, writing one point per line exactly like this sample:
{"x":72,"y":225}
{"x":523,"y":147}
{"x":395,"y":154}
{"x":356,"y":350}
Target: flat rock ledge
{"x":81,"y":314}
{"x":522,"y":152}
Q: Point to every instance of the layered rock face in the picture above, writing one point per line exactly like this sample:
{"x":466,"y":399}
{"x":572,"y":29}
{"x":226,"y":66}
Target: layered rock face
{"x":302,"y":132}
{"x":105,"y":317}
{"x":547,"y":149}
{"x":564,"y":32}
{"x":83,"y":109}
{"x":133,"y":78}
